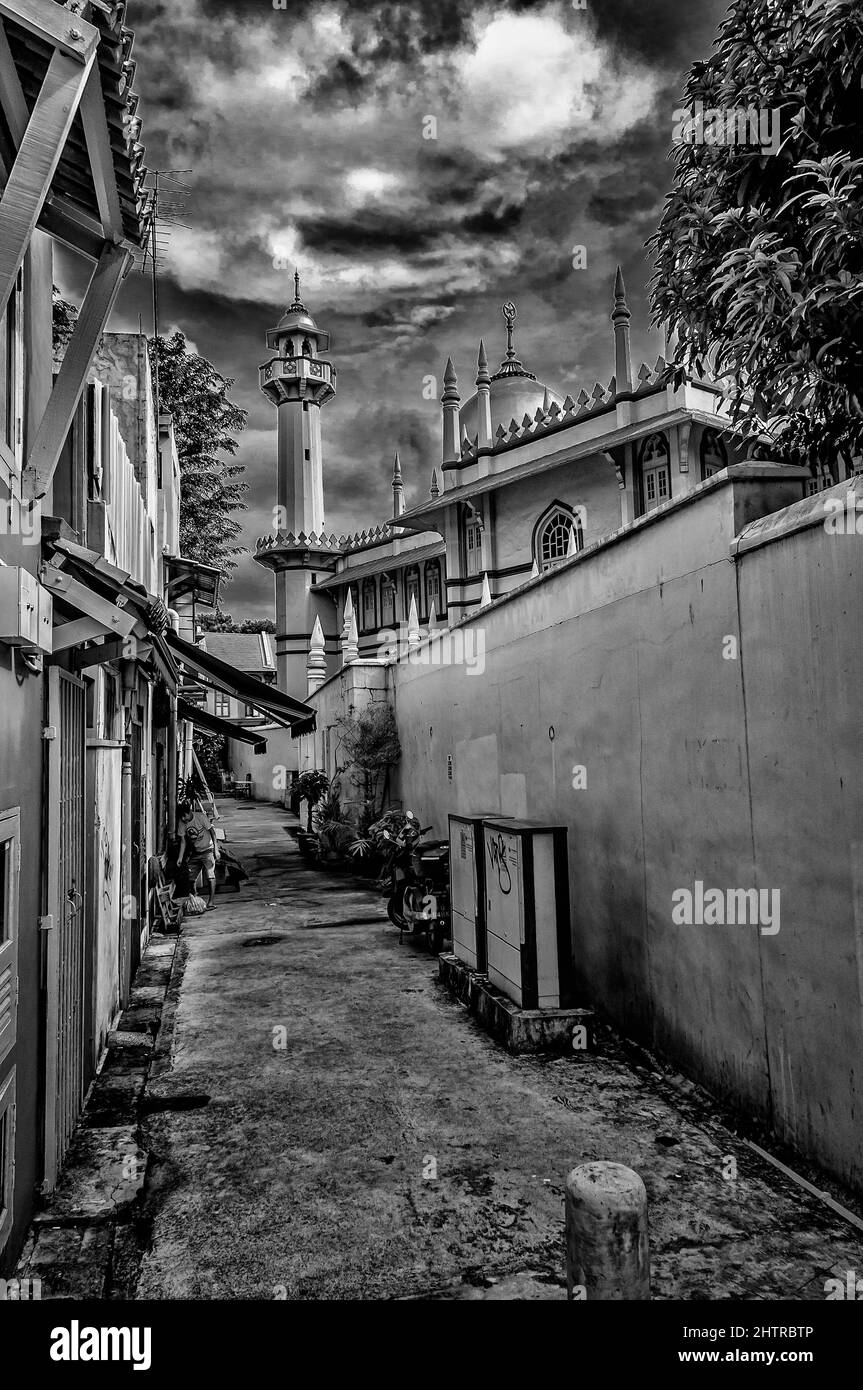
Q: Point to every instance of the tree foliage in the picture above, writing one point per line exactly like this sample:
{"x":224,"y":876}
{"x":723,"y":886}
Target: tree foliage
{"x":759,"y":256}
{"x":220,"y":621}
{"x":63,"y":319}
{"x":205,"y":425}
{"x":370,"y":744}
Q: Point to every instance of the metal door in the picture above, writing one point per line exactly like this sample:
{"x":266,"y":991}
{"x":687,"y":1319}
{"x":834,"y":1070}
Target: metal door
{"x":65,"y":956}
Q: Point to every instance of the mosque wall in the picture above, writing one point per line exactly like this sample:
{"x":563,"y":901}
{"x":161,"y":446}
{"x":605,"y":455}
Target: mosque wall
{"x":680,"y":708}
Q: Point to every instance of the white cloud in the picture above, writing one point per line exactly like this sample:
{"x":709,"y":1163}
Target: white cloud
{"x":529,"y":83}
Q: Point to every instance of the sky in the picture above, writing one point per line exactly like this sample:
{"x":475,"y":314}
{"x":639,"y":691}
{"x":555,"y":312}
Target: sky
{"x":421,"y":164}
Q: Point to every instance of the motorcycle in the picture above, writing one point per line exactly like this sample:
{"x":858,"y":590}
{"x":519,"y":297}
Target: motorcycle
{"x":416,"y":882}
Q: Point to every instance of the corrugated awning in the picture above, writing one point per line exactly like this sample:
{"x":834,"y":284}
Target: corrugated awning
{"x":283,"y":708}
{"x":202,"y":719}
{"x":304,"y":726}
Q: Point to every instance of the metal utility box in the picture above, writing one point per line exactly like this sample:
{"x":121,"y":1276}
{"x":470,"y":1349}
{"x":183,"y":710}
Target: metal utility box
{"x":527,"y":912}
{"x":25,"y":609}
{"x":467,"y":887}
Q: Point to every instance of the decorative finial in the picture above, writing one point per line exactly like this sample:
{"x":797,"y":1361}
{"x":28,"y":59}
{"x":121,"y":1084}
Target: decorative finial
{"x":296,"y":284}
{"x":510,"y":313}
{"x":397,"y":470}
{"x":482,"y":376}
{"x":510,"y":366}
{"x":450,"y":385}
{"x":621,"y":308}
{"x":434,"y":490}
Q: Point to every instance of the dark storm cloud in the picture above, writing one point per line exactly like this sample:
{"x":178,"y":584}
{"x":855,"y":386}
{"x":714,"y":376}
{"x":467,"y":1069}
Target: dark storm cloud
{"x":375,"y":230}
{"x":303,"y":129}
{"x":665,"y":33}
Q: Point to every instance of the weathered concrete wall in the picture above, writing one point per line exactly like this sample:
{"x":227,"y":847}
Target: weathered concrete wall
{"x":21,"y":750}
{"x":698,"y":764}
{"x":269,"y":770}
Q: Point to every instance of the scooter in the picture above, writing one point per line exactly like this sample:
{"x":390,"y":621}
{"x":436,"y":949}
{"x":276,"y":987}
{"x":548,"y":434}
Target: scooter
{"x":418,"y":885}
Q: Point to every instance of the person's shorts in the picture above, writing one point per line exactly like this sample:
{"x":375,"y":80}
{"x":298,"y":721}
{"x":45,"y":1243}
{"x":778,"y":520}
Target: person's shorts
{"x":207,"y":862}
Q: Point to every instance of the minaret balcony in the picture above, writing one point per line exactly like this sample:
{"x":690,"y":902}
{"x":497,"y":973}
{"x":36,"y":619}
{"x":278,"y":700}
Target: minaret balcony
{"x":290,"y":378}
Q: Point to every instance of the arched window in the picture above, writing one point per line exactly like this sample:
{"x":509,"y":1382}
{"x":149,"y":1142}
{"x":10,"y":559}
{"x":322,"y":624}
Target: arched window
{"x":714,"y":456}
{"x":369,"y":605}
{"x":433,"y":587}
{"x":655,"y":471}
{"x":412,"y":589}
{"x":388,"y":601}
{"x":555,"y":533}
{"x":307,"y":348}
{"x":289,"y":348}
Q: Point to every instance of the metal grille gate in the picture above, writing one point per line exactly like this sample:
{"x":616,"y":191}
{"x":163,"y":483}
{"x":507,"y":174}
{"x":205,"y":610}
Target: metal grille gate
{"x":65,"y":973}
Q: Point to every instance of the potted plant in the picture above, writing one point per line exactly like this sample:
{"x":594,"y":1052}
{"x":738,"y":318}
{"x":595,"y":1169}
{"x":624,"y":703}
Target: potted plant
{"x":310,"y":787}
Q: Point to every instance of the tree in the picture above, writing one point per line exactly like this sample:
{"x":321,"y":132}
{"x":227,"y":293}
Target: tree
{"x":257,"y":625}
{"x":220,"y":621}
{"x":205,"y":423}
{"x":217,"y":621}
{"x":371,"y":745}
{"x":759,"y":255}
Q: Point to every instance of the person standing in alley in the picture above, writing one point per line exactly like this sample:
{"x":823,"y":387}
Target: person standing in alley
{"x":198,"y":846}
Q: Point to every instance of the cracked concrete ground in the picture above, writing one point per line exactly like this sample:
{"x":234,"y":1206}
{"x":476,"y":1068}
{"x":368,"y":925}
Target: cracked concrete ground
{"x":391,"y":1149}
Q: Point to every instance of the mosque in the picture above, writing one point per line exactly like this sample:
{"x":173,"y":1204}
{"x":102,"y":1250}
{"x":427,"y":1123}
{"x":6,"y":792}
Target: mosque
{"x":526,"y":478}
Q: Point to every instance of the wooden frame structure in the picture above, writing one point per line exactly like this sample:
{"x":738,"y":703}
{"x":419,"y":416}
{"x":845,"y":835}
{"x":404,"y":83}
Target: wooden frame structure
{"x":70,"y":165}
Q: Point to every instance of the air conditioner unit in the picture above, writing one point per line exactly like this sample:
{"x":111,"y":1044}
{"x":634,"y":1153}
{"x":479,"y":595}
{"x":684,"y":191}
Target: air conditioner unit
{"x":467,"y":888}
{"x":527,"y":912}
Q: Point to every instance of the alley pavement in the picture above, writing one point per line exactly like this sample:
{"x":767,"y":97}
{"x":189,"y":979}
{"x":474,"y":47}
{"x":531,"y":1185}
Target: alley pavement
{"x":324,"y":1121}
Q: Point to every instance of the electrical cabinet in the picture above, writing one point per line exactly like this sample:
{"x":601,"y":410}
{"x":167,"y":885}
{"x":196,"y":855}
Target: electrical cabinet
{"x":529,"y":952}
{"x":25,"y":609}
{"x":467,"y":888}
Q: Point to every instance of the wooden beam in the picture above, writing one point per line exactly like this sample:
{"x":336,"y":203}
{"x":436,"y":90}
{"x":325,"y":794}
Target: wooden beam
{"x":107,"y":652}
{"x":101,"y":158}
{"x":11,"y":92}
{"x":35,"y":164}
{"x":79,"y":630}
{"x":71,"y":225}
{"x":112,"y":619}
{"x":80,"y":351}
{"x":65,"y":31}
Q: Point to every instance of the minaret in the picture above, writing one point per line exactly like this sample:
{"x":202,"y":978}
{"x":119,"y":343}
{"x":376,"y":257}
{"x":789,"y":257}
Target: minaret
{"x":398,"y":487}
{"x":450,"y":400}
{"x":298,"y":381}
{"x":483,"y":399}
{"x":622,"y":353}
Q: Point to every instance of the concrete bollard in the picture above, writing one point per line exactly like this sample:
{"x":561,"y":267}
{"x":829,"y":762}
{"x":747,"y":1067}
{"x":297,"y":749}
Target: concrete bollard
{"x":607,"y":1250}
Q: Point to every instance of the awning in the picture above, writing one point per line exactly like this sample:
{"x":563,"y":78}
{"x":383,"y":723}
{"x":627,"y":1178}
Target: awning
{"x":213,"y":725}
{"x":304,"y":726}
{"x":266,"y":698}
{"x":192,"y":577}
{"x":112,"y":605}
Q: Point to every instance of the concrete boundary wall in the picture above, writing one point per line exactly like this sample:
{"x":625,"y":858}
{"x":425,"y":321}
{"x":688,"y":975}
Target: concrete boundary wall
{"x":692,"y":715}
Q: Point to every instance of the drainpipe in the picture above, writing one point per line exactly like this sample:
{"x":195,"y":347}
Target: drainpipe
{"x":173,"y":734}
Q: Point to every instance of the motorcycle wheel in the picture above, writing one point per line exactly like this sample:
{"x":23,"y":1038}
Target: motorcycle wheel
{"x":394,"y":910}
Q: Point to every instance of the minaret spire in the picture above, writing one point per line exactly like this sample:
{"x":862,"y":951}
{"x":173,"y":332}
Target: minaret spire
{"x":398,"y":487}
{"x":620,"y":317}
{"x":483,"y":399}
{"x":450,"y":400}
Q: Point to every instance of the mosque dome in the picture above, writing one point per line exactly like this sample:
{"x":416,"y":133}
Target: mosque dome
{"x":512,"y":397}
{"x":296,"y":317}
{"x":513,"y":391}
